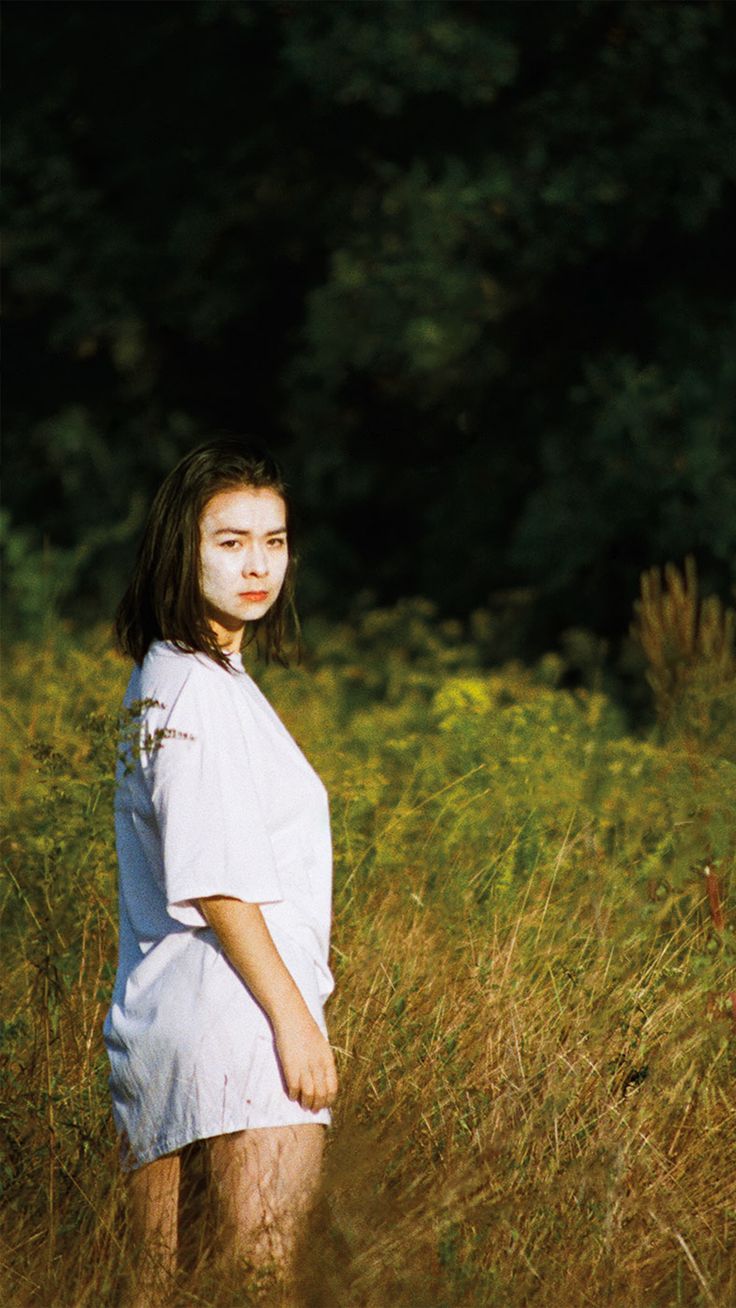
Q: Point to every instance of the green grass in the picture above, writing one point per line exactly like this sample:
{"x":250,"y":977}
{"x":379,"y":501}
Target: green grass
{"x":532,"y":1018}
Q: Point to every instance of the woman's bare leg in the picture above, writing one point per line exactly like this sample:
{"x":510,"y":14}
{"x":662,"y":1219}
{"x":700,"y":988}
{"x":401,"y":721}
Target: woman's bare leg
{"x":264,"y":1181}
{"x":153,"y":1195}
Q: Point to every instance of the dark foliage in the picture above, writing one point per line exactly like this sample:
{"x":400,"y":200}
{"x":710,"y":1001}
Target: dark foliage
{"x":460,"y":264}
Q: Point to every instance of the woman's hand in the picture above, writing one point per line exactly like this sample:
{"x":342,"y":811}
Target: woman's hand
{"x":306,"y":1061}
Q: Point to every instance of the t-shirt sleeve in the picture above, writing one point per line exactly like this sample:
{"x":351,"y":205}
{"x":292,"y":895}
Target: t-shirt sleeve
{"x":200,"y":778}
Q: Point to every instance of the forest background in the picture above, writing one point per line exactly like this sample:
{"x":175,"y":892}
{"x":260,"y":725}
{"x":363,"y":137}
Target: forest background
{"x":462,"y":265}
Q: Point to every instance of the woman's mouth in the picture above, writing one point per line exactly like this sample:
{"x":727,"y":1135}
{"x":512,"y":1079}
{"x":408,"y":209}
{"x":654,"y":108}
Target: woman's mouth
{"x":254,"y":594}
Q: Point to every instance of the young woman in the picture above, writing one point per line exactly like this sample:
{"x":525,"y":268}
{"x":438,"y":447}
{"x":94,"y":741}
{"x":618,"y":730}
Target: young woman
{"x":216,"y":1028}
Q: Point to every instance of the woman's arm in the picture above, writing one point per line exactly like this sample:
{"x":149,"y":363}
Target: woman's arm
{"x":306,"y":1057}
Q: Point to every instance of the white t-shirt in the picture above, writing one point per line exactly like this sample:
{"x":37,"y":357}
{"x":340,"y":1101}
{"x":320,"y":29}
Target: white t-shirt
{"x":216,"y":798}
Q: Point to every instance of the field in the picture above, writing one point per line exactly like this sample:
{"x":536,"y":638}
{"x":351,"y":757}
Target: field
{"x":534,"y":1017}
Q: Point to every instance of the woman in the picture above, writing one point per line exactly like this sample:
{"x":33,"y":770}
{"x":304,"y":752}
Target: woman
{"x":216,"y":1029}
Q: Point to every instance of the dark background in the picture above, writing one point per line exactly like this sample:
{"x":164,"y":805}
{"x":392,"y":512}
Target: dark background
{"x":463,"y":265}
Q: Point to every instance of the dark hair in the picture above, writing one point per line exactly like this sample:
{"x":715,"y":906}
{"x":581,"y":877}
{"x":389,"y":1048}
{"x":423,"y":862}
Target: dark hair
{"x":164,"y":598}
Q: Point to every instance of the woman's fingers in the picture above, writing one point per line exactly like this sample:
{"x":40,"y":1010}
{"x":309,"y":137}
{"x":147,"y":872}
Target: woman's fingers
{"x":332,"y":1080}
{"x":309,"y":1069}
{"x":295,"y":1077}
{"x":324,"y":1092}
{"x":328,"y":1087}
{"x":306,"y":1098}
{"x":316,"y":1088}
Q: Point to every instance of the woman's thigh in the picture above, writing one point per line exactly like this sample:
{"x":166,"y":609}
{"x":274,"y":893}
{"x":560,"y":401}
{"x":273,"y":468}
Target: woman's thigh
{"x":264,"y":1180}
{"x":153,"y":1192}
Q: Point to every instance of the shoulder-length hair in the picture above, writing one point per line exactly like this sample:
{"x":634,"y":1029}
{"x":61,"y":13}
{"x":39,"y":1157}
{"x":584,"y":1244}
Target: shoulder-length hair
{"x":164,"y":599}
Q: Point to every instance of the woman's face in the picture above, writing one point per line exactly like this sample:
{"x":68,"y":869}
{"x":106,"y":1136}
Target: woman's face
{"x":243,"y":554}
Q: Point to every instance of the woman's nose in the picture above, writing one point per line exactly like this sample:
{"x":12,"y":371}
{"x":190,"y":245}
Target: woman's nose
{"x":255,"y":561}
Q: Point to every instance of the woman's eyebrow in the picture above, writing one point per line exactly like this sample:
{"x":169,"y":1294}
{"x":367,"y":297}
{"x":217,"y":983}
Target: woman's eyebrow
{"x":245,"y":531}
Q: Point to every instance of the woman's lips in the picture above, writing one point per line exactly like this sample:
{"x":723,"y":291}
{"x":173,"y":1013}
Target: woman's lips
{"x":254,"y":594}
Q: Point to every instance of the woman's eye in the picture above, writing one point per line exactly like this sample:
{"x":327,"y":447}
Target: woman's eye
{"x":228,"y":543}
{"x":277,"y":542}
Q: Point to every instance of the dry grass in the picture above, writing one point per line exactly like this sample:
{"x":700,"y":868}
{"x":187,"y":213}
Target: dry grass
{"x":537,"y":1082}
{"x":528,"y":1114}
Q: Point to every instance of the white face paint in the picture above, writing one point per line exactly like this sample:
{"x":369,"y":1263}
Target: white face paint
{"x":244,"y":554}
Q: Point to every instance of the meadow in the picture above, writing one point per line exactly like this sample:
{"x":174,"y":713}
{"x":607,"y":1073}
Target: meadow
{"x":533,"y":943}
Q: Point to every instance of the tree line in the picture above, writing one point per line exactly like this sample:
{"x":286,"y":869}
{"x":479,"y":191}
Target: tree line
{"x":460,"y":264}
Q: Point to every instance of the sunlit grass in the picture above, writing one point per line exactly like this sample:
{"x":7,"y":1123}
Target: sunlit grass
{"x":532,"y":1018}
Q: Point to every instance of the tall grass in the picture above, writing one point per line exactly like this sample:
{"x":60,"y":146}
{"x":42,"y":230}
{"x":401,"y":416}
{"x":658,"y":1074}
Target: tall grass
{"x":532,"y":1018}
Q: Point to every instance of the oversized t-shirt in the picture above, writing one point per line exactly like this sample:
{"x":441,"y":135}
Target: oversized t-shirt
{"x":214,"y":797}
